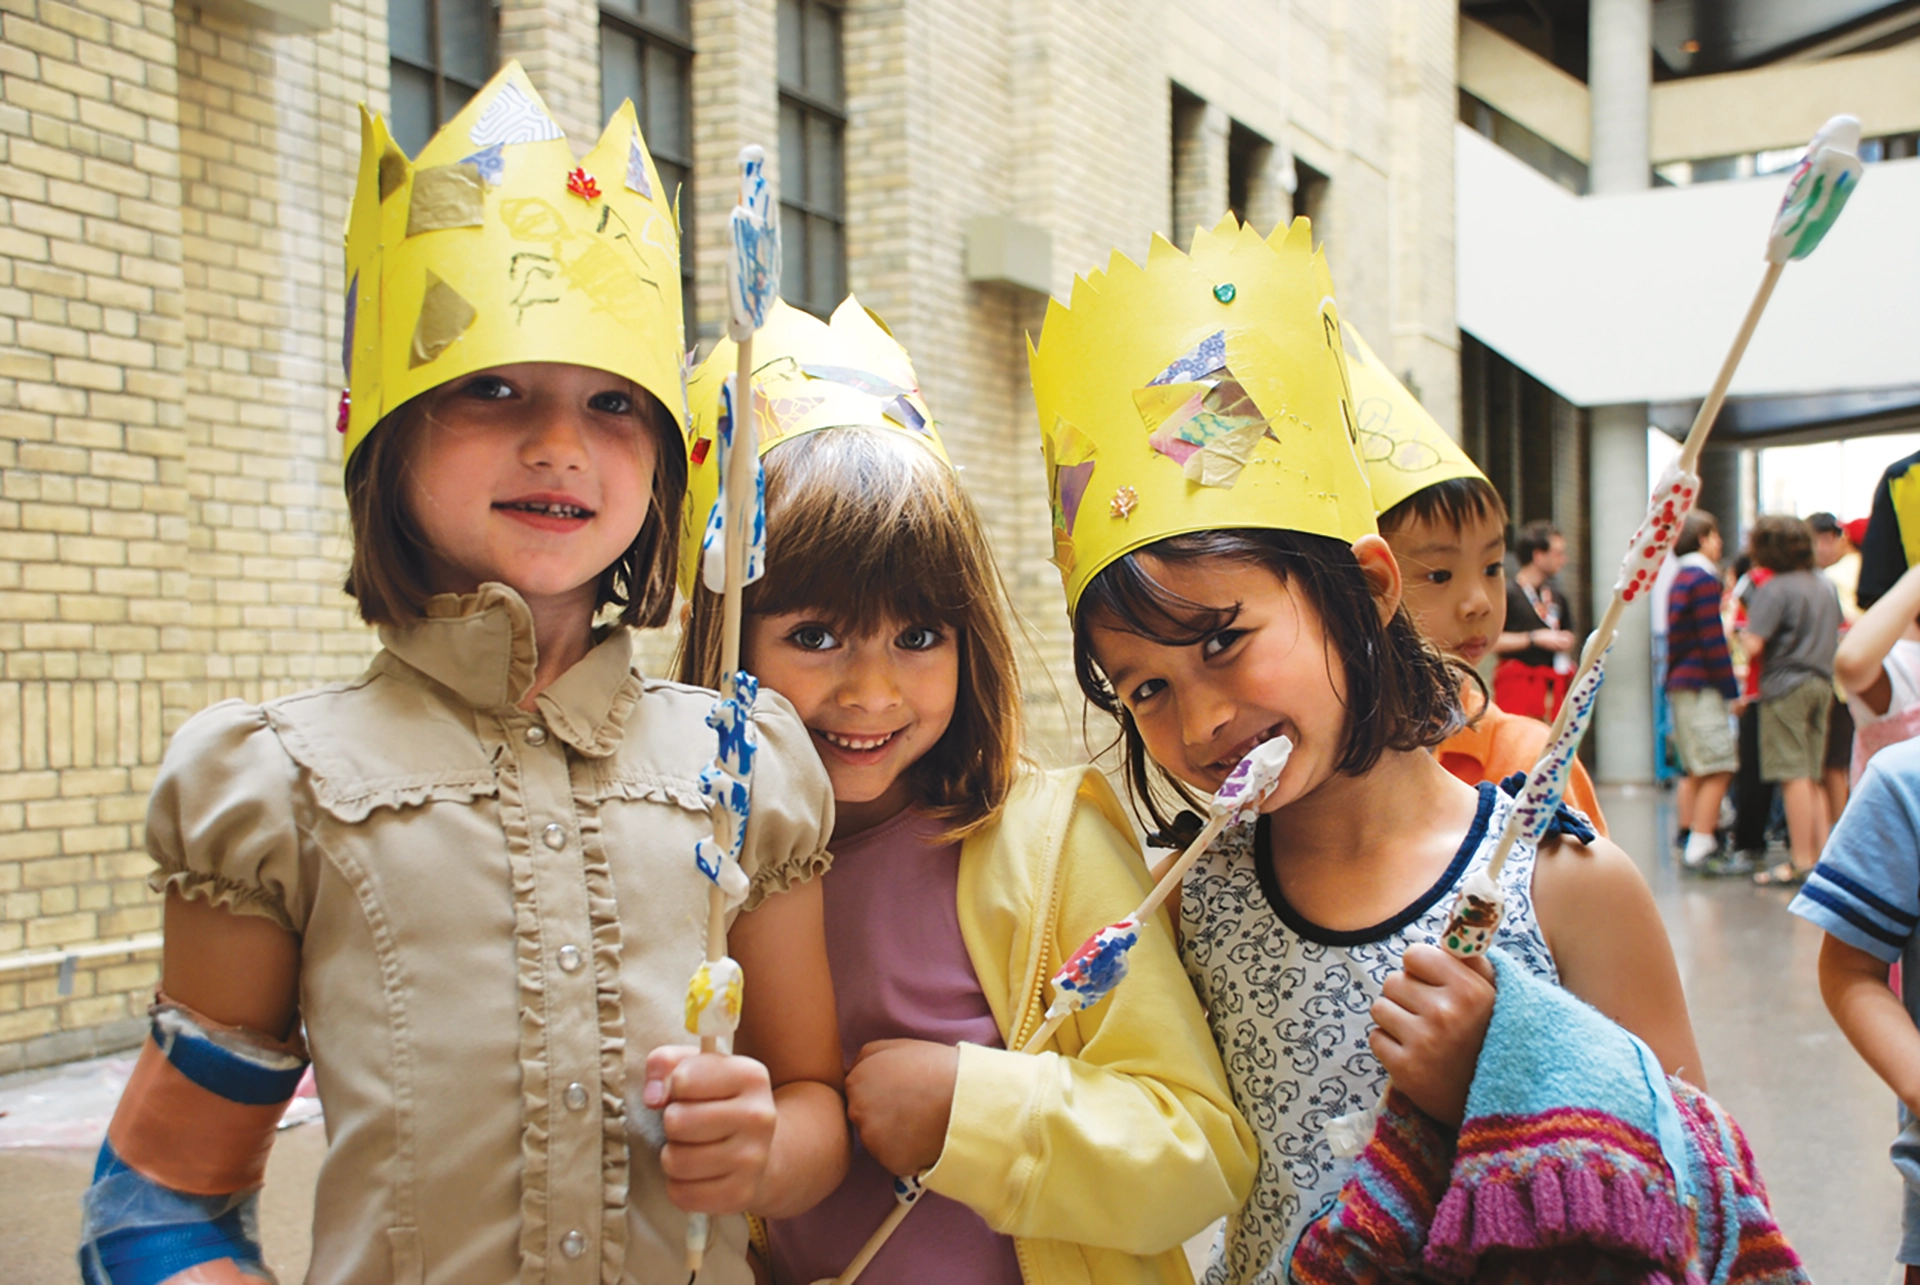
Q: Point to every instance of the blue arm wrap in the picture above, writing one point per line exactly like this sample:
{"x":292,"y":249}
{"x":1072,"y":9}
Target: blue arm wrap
{"x":133,"y":1231}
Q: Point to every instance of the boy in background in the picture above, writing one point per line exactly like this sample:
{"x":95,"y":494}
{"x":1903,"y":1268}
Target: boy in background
{"x":1700,"y":687}
{"x":1447,"y":528}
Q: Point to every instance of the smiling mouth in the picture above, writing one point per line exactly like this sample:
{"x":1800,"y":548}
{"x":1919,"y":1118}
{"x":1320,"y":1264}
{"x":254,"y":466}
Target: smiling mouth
{"x":545,"y":510}
{"x":1228,"y":764}
{"x":857,"y":744}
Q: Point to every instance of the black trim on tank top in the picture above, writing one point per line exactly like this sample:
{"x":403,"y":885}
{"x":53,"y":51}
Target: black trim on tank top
{"x":1277,"y":900}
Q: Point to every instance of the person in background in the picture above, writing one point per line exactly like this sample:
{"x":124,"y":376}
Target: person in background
{"x":1701,"y":686}
{"x":1878,"y":666}
{"x":1837,"y":559}
{"x":1793,"y":628}
{"x":1752,"y":793}
{"x":1895,"y":522}
{"x":1537,"y":643}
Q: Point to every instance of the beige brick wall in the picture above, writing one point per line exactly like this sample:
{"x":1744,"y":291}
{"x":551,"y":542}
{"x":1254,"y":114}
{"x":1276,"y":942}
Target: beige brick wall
{"x":171,"y":194}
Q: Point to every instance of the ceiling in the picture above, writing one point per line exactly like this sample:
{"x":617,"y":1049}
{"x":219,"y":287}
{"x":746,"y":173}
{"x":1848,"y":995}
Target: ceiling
{"x":1701,"y":37}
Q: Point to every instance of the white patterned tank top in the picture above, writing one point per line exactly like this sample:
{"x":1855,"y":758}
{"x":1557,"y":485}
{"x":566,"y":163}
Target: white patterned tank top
{"x":1288,"y":1002}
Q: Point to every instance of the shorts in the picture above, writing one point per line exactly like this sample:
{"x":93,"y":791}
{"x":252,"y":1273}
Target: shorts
{"x":1703,"y":732}
{"x":1793,"y":732}
{"x":1906,"y":1159}
{"x":1839,"y":736}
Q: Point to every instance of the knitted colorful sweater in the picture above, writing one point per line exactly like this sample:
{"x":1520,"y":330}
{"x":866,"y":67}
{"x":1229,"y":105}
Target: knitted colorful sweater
{"x":1578,"y":1161}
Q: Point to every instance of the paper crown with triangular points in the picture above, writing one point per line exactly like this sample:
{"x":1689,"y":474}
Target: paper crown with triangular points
{"x":809,"y":375}
{"x":1201,"y":391}
{"x":1404,"y":449}
{"x":495,"y":246}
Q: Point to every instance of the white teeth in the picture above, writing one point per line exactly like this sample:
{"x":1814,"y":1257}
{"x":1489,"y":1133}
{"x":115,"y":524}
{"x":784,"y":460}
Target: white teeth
{"x":856,"y":742}
{"x":550,"y":510}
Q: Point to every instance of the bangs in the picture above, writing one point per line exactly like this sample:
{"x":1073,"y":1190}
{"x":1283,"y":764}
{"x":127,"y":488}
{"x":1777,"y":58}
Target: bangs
{"x":1125,"y":597}
{"x":870,"y":529}
{"x":1457,"y":502}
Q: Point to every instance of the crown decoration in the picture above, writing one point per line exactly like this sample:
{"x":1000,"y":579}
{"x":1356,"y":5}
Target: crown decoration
{"x":495,"y":245}
{"x":1404,"y":449}
{"x":1200,"y":391}
{"x":809,"y":375}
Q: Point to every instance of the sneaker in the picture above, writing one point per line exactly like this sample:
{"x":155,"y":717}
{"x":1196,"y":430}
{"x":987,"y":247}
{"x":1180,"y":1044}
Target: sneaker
{"x":1730,"y":865}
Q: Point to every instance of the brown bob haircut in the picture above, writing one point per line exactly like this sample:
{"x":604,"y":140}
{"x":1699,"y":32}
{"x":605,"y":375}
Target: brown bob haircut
{"x":1452,"y":503}
{"x":871,"y":531}
{"x":1697,"y":526}
{"x":388,"y":575}
{"x":1402,"y":694}
{"x":1780,"y":543}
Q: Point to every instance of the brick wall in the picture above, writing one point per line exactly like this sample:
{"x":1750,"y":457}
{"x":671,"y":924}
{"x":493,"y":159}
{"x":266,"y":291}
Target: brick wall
{"x":171,"y":196}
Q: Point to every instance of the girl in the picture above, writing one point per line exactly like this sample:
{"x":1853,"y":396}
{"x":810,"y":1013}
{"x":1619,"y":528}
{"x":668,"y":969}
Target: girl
{"x":468,"y":874}
{"x":1218,"y":602}
{"x":962,"y":878}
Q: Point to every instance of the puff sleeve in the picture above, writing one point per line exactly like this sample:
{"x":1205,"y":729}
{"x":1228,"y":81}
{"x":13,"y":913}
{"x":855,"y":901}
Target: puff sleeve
{"x":220,"y":822}
{"x":792,"y":815}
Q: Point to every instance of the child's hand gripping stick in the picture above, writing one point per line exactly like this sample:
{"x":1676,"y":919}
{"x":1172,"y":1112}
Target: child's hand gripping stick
{"x":1091,"y":972}
{"x":734,"y":555}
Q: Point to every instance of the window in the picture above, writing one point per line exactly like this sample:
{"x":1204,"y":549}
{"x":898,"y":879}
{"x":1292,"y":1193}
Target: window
{"x":646,"y":54}
{"x":439,"y":53}
{"x":1310,"y":197}
{"x":813,"y":129}
{"x":1249,"y":159}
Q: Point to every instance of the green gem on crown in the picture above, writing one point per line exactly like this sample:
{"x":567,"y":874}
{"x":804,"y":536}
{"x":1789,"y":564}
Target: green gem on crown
{"x":1224,"y":292}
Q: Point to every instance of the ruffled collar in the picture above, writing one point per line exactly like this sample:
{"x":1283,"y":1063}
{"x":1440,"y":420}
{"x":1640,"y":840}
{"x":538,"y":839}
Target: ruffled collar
{"x":480,"y":646}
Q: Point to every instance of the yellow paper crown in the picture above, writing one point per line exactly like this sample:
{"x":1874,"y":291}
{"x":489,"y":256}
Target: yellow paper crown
{"x":1200,"y":392}
{"x":494,"y":246}
{"x":1405,"y":450}
{"x":809,"y":375}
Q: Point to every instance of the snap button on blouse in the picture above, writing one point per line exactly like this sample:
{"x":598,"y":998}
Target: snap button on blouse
{"x":573,"y":1244}
{"x":570,"y":959}
{"x":536,"y":735}
{"x":576,"y":1096}
{"x":555,"y":836}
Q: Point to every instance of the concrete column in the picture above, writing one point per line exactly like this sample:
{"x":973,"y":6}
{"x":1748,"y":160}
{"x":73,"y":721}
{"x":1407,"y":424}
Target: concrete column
{"x":1619,"y":76}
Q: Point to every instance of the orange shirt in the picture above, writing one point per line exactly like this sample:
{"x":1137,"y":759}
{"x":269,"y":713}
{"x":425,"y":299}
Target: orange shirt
{"x":1500,"y":744}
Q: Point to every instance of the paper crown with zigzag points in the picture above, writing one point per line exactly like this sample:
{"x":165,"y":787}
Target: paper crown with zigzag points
{"x":1404,"y":449}
{"x":1200,"y":391}
{"x":809,"y":375}
{"x":495,"y":246}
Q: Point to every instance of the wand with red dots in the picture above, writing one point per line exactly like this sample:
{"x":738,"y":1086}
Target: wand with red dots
{"x":1817,"y":190}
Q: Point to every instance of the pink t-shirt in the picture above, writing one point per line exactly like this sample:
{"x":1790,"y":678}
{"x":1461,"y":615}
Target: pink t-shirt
{"x":900,"y":971}
{"x":1874,"y":732}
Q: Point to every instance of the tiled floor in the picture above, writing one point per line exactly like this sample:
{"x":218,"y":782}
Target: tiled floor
{"x":1818,"y":1120}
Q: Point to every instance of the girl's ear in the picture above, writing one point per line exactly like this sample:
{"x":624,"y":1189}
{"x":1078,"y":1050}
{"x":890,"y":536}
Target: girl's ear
{"x":1382,"y":572}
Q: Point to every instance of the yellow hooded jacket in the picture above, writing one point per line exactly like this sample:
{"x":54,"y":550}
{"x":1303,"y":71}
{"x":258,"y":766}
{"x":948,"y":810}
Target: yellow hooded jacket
{"x":1103,"y":1153}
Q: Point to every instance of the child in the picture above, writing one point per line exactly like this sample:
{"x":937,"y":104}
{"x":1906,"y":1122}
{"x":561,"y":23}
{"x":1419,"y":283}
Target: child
{"x":1701,"y":686}
{"x":1446,"y":526}
{"x":962,"y":877}
{"x":1792,"y":631}
{"x":1865,"y":895}
{"x":468,"y":874}
{"x":1226,"y":586}
{"x":1878,"y":665}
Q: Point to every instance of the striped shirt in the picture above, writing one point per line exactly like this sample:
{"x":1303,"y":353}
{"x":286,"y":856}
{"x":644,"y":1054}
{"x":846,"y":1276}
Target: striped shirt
{"x":1697,"y":654}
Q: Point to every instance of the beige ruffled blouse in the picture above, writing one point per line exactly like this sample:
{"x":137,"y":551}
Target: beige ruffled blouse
{"x":498,"y":913}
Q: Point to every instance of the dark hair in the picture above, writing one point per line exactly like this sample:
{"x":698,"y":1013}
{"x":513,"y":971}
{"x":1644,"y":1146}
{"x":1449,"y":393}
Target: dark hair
{"x":1454,"y":503}
{"x":863,"y":527}
{"x":1698,"y":526}
{"x":1402,"y":694}
{"x":1781,"y":543}
{"x":1824,"y":523}
{"x":388,"y":575}
{"x":1535,"y":538}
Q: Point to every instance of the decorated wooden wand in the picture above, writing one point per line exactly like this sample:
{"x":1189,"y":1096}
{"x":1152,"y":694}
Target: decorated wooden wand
{"x":733,"y":555}
{"x":1816,"y":192}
